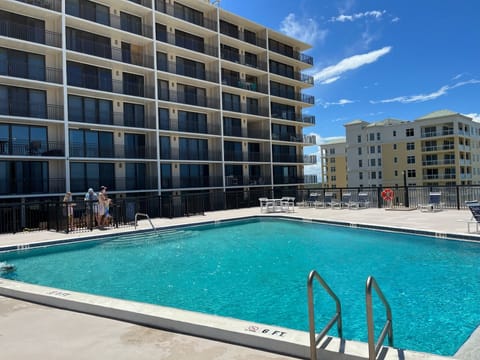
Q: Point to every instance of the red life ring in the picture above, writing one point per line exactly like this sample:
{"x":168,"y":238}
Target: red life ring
{"x":387,"y":194}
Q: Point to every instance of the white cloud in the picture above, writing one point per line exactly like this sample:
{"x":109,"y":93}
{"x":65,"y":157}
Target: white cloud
{"x":474,"y":116}
{"x":376,"y":14}
{"x":306,"y":30}
{"x":426,"y":97}
{"x":333,"y":73}
{"x":395,"y":19}
{"x":340,"y":102}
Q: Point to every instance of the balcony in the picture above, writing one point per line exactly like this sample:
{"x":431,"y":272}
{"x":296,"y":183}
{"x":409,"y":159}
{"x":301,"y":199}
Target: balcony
{"x":292,"y":116}
{"x":55,"y":5}
{"x":288,"y":137}
{"x":309,"y":99}
{"x":190,"y":99}
{"x":247,"y":85}
{"x":246,"y":36}
{"x":112,"y":151}
{"x":27,"y":186}
{"x":243,"y":60}
{"x":171,"y":39}
{"x":172,"y":125}
{"x":288,"y":158}
{"x":246,"y":109}
{"x":193,"y":156}
{"x":133,"y":89}
{"x":30,"y":110}
{"x":147,"y":122}
{"x":310,"y":139}
{"x":34,"y":148}
{"x":169,"y":9}
{"x":438,"y":162}
{"x":307,"y":59}
{"x":171,"y":67}
{"x":282,"y":180}
{"x":177,"y":182}
{"x":299,"y":76}
{"x":33,"y":72}
{"x":146,"y":3}
{"x":30,"y":33}
{"x":114,"y":53}
{"x":310,"y":159}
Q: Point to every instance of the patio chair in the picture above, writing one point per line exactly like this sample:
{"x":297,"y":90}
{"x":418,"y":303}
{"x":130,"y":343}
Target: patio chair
{"x":346,"y":200}
{"x":329,"y":200}
{"x":361,"y":203}
{"x":434,"y":203}
{"x":288,"y":204}
{"x":475,"y":210}
{"x":266,"y":205}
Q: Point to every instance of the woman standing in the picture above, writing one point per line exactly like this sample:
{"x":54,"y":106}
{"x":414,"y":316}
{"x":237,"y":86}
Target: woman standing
{"x":67,"y":199}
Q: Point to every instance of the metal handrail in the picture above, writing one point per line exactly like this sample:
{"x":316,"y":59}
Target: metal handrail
{"x":316,"y":338}
{"x":146,"y":216}
{"x":373,"y":347}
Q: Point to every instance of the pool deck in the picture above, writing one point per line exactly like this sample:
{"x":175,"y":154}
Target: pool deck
{"x":30,"y":330}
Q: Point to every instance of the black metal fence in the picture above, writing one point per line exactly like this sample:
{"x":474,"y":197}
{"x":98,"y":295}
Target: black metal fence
{"x":53,"y":214}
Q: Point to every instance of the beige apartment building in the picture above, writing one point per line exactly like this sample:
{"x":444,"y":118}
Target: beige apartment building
{"x":438,"y":149}
{"x":147,"y":97}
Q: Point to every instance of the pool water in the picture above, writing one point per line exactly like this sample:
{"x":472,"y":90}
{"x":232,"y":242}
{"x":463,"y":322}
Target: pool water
{"x":257,"y":270}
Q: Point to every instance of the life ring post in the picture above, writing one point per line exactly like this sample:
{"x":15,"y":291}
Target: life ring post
{"x":388,"y":195}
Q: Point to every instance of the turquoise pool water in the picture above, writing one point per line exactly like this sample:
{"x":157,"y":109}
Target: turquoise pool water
{"x":257,"y":270}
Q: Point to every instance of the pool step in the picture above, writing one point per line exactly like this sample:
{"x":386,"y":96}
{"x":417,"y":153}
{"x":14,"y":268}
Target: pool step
{"x":137,"y":239}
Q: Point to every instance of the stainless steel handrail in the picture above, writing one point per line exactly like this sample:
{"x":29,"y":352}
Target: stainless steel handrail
{"x":387,"y":328}
{"x":314,"y":338}
{"x":146,"y":216}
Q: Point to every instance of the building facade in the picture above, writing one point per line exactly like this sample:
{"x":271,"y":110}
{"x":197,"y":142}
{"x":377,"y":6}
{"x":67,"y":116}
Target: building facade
{"x":334,"y":164}
{"x":147,"y":97}
{"x":438,"y":149}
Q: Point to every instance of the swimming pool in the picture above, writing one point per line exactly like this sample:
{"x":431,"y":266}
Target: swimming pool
{"x":256,"y":270}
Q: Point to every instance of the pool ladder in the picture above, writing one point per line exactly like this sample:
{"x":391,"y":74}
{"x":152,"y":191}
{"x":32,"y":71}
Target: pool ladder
{"x":373,"y":348}
{"x":145,"y":216}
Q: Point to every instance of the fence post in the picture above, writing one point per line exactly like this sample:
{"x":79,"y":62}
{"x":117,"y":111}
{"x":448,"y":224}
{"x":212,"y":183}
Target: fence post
{"x":379,"y":197}
{"x":458,"y":196}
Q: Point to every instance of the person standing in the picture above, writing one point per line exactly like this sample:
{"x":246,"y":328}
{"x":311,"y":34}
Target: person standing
{"x":69,"y":204}
{"x":91,"y":207}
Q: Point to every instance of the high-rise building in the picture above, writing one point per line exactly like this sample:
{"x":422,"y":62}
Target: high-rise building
{"x":438,"y":149}
{"x":147,"y":97}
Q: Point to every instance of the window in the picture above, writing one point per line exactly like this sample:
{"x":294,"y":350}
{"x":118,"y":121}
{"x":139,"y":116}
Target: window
{"x":332,"y":151}
{"x":378,"y":136}
{"x":233,"y":151}
{"x":360,"y":175}
{"x":394,"y":146}
{"x":409,"y":132}
{"x":163,"y":119}
{"x":359,"y":151}
{"x":410,"y":146}
{"x":373,"y":175}
{"x":283,"y":111}
{"x":193,"y":149}
{"x":133,"y":84}
{"x":372,"y":149}
{"x":280,"y":48}
{"x":88,"y":10}
{"x":88,"y":76}
{"x":231,"y":102}
{"x":192,"y":122}
{"x":190,"y":68}
{"x":395,"y":173}
{"x":360,"y":163}
{"x":379,"y":174}
{"x":135,"y":146}
{"x":379,"y":149}
{"x":332,"y":160}
{"x":282,"y":90}
{"x":333,"y":169}
{"x":283,"y":132}
{"x":191,"y":95}
{"x":395,"y":159}
{"x":189,"y":41}
{"x":23,"y":27}
{"x":333,"y":178}
{"x":22,"y":64}
{"x":161,"y":31}
{"x":250,"y":36}
{"x":411,"y":173}
{"x":162,"y":61}
{"x":371,"y":136}
{"x":134,"y":115}
{"x":194,"y":175}
{"x":88,"y":43}
{"x":379,"y":161}
{"x":372,"y":162}
{"x":130,"y":23}
{"x":13,"y":176}
{"x":250,"y":59}
{"x":230,"y":77}
{"x":16,"y":139}
{"x":166,"y":172}
{"x":85,"y":175}
{"x":359,"y":138}
{"x":18,"y":101}
{"x":282,"y":69}
{"x":90,"y":110}
{"x":252,"y":106}
{"x":232,"y":126}
{"x":229,"y":53}
{"x":410,"y":159}
{"x":188,"y":14}
{"x":165,"y":152}
{"x":228,"y":29}
{"x":89,"y":143}
{"x":135,"y":176}
{"x":394,"y":133}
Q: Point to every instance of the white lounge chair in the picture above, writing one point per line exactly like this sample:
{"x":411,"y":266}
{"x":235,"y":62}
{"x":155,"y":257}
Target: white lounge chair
{"x":288,"y":204}
{"x":362,"y":202}
{"x":475,"y":210}
{"x":266,"y":205}
{"x":434,"y":203}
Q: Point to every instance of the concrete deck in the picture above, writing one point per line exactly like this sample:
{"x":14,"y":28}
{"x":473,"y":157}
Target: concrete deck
{"x":29,"y":330}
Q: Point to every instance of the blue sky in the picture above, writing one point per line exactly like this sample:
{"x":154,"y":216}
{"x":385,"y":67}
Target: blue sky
{"x":380,"y":59}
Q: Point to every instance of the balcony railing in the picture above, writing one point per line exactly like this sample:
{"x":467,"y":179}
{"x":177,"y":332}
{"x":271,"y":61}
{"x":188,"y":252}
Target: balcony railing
{"x":246,"y":37}
{"x":168,"y":9}
{"x":309,"y":99}
{"x":55,"y":5}
{"x":190,"y":99}
{"x":293,"y":54}
{"x":287,"y":158}
{"x":117,"y":22}
{"x":133,"y":89}
{"x":192,"y":72}
{"x":171,"y":39}
{"x":310,"y":159}
{"x":438,"y":162}
{"x":32,"y":72}
{"x":177,"y":182}
{"x":26,"y":109}
{"x":310,"y":139}
{"x":28,"y":186}
{"x":438,"y":147}
{"x":120,"y":119}
{"x":257,"y":134}
{"x":30,"y":33}
{"x":112,"y":151}
{"x":32,"y":148}
{"x":146,"y":3}
{"x":244,"y":60}
{"x":292,"y":116}
{"x":172,"y":125}
{"x":288,"y":180}
{"x":288,"y":137}
{"x":247,"y":85}
{"x":193,"y":156}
